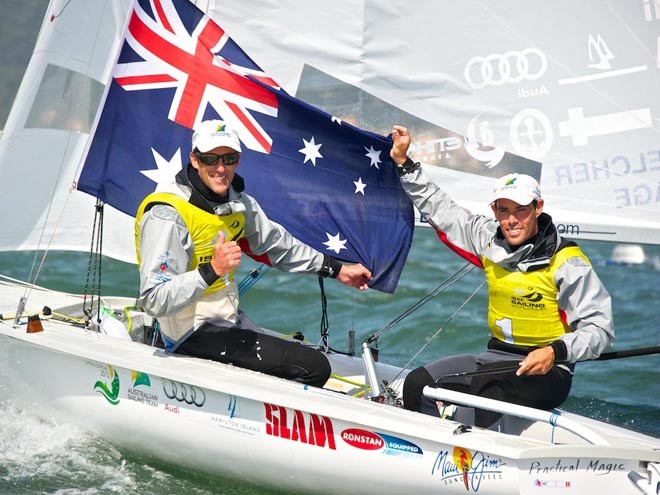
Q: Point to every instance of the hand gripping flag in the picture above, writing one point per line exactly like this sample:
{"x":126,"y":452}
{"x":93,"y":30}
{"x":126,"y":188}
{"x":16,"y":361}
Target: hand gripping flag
{"x":328,"y":183}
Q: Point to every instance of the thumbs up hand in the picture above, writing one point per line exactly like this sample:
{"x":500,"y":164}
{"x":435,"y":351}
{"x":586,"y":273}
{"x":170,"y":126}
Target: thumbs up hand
{"x":226,"y":256}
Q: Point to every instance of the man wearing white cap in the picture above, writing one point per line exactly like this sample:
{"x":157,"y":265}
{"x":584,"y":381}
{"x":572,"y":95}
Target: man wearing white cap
{"x":190,"y":236}
{"x":547,"y":307}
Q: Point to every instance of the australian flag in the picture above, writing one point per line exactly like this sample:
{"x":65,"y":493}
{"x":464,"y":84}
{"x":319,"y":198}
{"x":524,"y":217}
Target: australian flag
{"x":327,"y":182}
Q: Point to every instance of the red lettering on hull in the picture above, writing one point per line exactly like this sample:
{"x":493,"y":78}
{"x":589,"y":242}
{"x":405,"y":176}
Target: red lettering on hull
{"x":294,"y":425}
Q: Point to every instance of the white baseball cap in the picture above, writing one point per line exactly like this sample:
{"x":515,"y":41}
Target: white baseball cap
{"x":521,"y":188}
{"x":213,"y":133}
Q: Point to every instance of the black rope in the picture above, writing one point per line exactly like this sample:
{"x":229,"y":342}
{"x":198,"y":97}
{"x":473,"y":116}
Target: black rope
{"x":99,"y":260}
{"x":324,"y":317}
{"x":92,"y":286}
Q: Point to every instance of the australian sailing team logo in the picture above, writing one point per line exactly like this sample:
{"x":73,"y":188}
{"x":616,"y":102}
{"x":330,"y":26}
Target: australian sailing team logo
{"x":141,"y":389}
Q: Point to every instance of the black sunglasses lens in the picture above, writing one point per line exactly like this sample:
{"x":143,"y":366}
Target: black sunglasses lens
{"x":213,"y":159}
{"x":230,"y":158}
{"x":208,"y":158}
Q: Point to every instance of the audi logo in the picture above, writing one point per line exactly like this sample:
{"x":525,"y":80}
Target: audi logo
{"x":512,"y":67}
{"x":182,"y":392}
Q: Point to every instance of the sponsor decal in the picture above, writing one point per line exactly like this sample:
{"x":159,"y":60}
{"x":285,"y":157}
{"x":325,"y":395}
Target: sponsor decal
{"x":639,"y":195}
{"x":136,"y":394}
{"x":608,"y":167}
{"x":572,"y":229}
{"x":231,"y":407}
{"x":234,"y":423}
{"x":580,"y":128}
{"x":480,"y":144}
{"x":362,"y":439}
{"x":527,"y":93}
{"x":399,"y":446}
{"x":600,"y":59}
{"x":297,"y":426}
{"x":552,"y":484}
{"x":467,"y":468}
{"x":369,"y":440}
{"x":645,"y":163}
{"x":527,"y":298}
{"x":508,"y":68}
{"x":110,"y":392}
{"x":597,"y":466}
{"x":237,"y":425}
{"x":531,"y":133}
{"x":463,"y":460}
{"x":183,"y":392}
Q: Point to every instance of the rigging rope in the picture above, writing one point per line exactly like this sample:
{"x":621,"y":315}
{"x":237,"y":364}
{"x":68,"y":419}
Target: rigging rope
{"x":442,"y":327}
{"x":94,"y":264}
{"x":444,"y":285}
{"x":252,"y":278}
{"x":324,"y":318}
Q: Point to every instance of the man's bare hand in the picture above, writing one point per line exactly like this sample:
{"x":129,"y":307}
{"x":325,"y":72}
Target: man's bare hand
{"x":354,"y":276}
{"x":226,"y":256}
{"x":537,"y":362}
{"x":401,"y":142}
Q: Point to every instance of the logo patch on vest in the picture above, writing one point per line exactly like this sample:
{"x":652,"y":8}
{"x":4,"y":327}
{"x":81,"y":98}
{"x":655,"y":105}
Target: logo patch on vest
{"x":527,"y":298}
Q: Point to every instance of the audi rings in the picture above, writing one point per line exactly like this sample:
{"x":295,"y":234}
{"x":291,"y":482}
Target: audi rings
{"x":511,"y":67}
{"x":182,"y":392}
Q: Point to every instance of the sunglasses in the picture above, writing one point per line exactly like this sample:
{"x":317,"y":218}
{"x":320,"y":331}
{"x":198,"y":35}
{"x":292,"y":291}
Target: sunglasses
{"x":210,"y":159}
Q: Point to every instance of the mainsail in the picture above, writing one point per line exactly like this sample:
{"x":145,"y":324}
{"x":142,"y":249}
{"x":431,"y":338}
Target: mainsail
{"x":567,"y":84}
{"x":561,"y":90}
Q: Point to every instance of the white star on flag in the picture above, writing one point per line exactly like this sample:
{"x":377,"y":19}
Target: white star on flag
{"x":311,"y":151}
{"x":359,"y":186}
{"x":166,"y":170}
{"x":336,"y":120}
{"x":374,"y":156}
{"x":334,"y":243}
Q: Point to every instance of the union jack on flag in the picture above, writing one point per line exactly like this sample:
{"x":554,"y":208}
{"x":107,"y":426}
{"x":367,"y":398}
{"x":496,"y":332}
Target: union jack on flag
{"x":194,"y":65}
{"x":325,"y":181}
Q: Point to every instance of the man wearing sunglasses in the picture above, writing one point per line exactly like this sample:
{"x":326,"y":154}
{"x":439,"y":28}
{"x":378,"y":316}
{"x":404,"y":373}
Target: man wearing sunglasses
{"x":190,"y":237}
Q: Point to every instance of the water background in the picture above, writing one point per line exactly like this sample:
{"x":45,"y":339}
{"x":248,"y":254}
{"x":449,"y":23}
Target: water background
{"x":40,"y":456}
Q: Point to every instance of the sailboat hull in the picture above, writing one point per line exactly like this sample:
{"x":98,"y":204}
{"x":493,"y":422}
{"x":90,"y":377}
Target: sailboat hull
{"x":226,"y":421}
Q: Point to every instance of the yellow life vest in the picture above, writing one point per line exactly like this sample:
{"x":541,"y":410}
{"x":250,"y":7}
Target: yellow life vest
{"x":522,"y":306}
{"x":204,"y":228}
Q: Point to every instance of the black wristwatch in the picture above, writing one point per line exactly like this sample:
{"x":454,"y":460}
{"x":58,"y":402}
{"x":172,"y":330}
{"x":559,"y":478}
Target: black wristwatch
{"x":330,"y":268}
{"x":408,"y":166}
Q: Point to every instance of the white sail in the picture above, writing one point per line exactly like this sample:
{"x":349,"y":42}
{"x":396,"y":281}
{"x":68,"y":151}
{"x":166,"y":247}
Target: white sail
{"x":485,"y":88}
{"x":568,"y":84}
{"x":48,"y":128}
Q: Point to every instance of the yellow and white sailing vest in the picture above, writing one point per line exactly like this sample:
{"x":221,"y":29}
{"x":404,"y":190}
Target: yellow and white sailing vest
{"x":220,"y":299}
{"x":204,"y":228}
{"x":522,"y":306}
